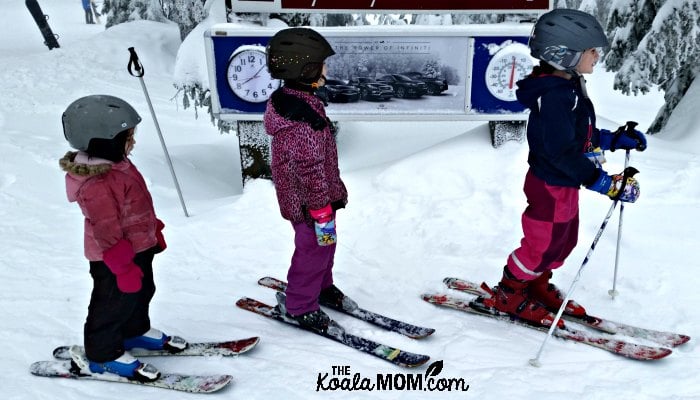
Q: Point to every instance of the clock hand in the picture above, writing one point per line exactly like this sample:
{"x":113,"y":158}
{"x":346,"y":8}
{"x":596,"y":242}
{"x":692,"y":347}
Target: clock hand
{"x":254,"y":76}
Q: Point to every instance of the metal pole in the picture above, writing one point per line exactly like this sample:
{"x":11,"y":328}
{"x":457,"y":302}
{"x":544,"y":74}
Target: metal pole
{"x":536,"y":361}
{"x":134,"y":60}
{"x":628,"y":172}
{"x":613,"y":292}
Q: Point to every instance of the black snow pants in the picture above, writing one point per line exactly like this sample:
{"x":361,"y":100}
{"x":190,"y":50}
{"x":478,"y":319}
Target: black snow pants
{"x":114,"y":316}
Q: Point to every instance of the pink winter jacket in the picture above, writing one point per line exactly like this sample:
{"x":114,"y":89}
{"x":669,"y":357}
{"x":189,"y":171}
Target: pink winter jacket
{"x":304,"y":160}
{"x":114,"y":200}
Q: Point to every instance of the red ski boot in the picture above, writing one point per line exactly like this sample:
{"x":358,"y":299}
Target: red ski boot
{"x":541,"y":291}
{"x":510,"y":296}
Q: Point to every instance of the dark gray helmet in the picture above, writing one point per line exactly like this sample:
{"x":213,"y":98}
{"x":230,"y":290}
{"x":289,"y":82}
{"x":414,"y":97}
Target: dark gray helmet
{"x":297,"y":54}
{"x":562,"y":35}
{"x":97,"y":117}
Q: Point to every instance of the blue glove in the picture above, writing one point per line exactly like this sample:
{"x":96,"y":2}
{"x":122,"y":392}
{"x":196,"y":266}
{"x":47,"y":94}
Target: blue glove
{"x":621,"y":187}
{"x":625,"y":137}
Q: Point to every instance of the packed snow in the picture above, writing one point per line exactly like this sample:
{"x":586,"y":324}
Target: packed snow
{"x":427,"y":201}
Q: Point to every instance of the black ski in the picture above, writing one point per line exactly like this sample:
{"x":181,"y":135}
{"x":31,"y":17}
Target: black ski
{"x":350,"y":308}
{"x":337,"y":333}
{"x":42,"y":22}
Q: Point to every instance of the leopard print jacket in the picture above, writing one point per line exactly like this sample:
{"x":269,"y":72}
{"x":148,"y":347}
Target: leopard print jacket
{"x":304,"y":155}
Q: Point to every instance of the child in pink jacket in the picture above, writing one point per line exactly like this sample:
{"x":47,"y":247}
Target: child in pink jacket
{"x":122,"y":235}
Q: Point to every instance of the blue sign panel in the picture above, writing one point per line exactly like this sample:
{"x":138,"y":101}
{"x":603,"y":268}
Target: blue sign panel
{"x":224,"y":48}
{"x":498,"y":64}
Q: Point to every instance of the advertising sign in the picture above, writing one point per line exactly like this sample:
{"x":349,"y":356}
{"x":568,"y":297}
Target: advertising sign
{"x":399,"y":6}
{"x":383,"y":72}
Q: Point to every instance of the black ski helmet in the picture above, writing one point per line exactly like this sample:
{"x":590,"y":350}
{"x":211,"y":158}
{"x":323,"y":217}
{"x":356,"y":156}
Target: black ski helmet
{"x":297,"y":54}
{"x":97,"y":116}
{"x":562,"y":35}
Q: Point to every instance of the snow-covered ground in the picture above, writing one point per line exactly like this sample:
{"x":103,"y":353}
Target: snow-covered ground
{"x":427,"y":200}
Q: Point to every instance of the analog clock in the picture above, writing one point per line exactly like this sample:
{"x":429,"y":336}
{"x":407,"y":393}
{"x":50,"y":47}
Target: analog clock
{"x":509,"y":65}
{"x":248,"y":77}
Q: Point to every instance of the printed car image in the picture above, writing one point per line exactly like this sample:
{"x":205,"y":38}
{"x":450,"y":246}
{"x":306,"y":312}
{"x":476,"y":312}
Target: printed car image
{"x":340,"y":92}
{"x":404,"y":86}
{"x":371,"y":89}
{"x":435,"y":86}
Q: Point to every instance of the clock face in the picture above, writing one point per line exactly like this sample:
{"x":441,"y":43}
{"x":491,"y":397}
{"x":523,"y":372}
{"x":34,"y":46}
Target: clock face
{"x":506,"y":67}
{"x":248,"y":77}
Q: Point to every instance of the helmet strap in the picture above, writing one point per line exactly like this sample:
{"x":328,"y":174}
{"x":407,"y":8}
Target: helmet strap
{"x":582,"y":81}
{"x":304,"y":87}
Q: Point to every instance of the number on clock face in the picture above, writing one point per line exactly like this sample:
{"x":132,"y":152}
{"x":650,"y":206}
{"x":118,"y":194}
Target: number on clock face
{"x":504,"y":70}
{"x":248,"y":77}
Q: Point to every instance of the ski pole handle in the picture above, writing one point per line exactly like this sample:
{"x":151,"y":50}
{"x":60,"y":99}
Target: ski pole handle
{"x":134,"y":61}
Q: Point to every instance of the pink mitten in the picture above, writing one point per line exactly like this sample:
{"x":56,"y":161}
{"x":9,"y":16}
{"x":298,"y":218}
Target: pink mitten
{"x":322,"y":215}
{"x":120,"y":260}
{"x":159,"y":235}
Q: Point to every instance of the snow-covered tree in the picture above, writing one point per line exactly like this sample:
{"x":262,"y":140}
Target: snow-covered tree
{"x":598,"y":8}
{"x":567,"y":4}
{"x":187,"y":14}
{"x":655,"y":43}
{"x":118,"y":11}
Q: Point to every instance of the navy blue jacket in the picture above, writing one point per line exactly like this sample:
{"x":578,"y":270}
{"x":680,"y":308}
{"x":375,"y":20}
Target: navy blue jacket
{"x":560,"y":130}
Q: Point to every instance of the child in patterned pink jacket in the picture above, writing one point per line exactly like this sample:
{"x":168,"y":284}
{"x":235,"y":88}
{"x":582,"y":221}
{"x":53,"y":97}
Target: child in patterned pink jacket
{"x":305,"y":173}
{"x":122,"y":235}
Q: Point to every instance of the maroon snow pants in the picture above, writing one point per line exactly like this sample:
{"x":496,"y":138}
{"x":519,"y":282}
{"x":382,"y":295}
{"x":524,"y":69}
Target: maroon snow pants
{"x":550,"y":228}
{"x":310,"y":271}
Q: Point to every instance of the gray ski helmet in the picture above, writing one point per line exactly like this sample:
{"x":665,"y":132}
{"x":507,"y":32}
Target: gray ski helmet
{"x":562,"y":35}
{"x":97,"y":116}
{"x":297,"y":54}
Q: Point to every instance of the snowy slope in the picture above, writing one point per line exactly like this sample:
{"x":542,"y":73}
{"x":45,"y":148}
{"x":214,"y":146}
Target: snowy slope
{"x":426,"y":201}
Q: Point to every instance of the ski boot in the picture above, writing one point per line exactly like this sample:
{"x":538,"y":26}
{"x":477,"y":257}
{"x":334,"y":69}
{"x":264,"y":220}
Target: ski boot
{"x":126,"y":366}
{"x":317,"y":321}
{"x":511,"y":297}
{"x":334,"y":298}
{"x":156,"y":340}
{"x":550,"y":296}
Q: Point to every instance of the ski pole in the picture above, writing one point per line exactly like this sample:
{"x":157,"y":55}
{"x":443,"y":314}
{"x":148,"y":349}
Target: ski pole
{"x":629,"y":172}
{"x":134,"y":61}
{"x":613,"y":292}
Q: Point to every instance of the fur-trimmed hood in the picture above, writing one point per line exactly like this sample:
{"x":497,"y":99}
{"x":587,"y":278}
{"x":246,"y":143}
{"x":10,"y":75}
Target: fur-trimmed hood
{"x":80,"y":164}
{"x":80,"y":167}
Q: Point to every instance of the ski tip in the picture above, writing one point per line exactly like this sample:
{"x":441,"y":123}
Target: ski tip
{"x":60,"y":351}
{"x":682,"y":339}
{"x":663,"y":352}
{"x":434,"y":298}
{"x":416,"y":363}
{"x":240,"y":346}
{"x":264,"y":279}
{"x":423,"y":334}
{"x":246,"y":302}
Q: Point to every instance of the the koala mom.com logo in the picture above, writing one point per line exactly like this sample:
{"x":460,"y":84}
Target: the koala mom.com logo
{"x":342,"y":379}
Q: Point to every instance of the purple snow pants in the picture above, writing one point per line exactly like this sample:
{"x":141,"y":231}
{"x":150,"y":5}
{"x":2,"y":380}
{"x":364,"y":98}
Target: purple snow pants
{"x":311,"y":270}
{"x":550,"y":229}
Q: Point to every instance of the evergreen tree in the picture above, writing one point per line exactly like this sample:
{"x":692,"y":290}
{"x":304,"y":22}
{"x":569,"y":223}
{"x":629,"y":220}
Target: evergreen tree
{"x":118,"y":11}
{"x":187,"y":14}
{"x":654,"y":42}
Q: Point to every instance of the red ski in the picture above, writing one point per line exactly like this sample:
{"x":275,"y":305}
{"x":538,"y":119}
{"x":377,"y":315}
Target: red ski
{"x":598,"y":323}
{"x":613,"y":345}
